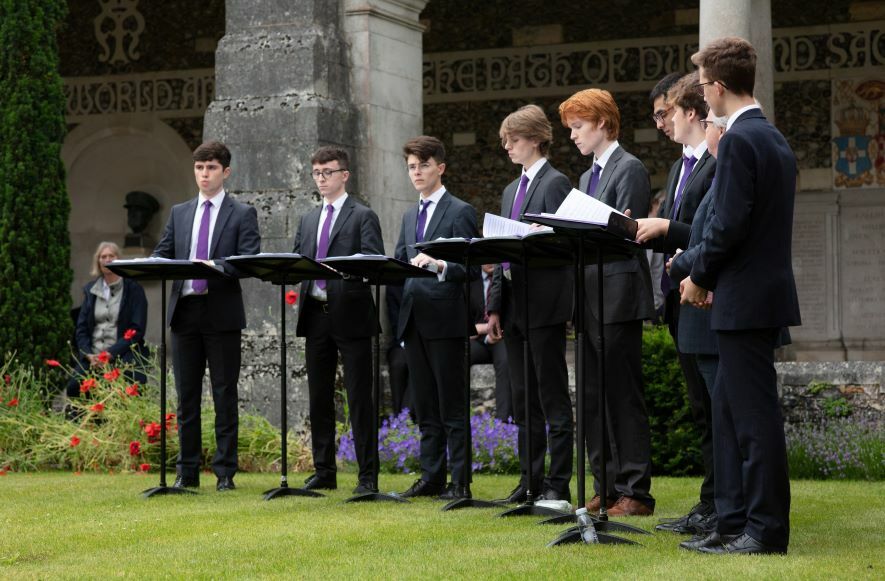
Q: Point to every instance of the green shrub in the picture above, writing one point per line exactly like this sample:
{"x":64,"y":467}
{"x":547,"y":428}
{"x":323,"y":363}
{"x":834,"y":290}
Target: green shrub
{"x":674,"y":437}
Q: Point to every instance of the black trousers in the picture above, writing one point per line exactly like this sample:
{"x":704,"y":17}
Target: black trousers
{"x":436,"y":373}
{"x":398,"y":370}
{"x":550,"y":406}
{"x":322,"y":346}
{"x":496,"y":354}
{"x":698,"y":398}
{"x":194,"y":345}
{"x":752,"y":479}
{"x":628,"y":457}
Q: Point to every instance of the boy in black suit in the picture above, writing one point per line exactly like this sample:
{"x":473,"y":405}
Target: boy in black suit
{"x":526,"y":135}
{"x":745,"y":256}
{"x":338,"y":316}
{"x":207,"y":316}
{"x":433,"y":323}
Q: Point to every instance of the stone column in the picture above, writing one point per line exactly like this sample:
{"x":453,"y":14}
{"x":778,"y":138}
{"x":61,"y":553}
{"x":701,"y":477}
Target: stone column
{"x":384,"y":38}
{"x":749,"y":19}
{"x":281,"y":90}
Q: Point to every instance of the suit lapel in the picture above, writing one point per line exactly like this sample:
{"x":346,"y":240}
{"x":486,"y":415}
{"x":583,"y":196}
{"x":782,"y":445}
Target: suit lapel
{"x":346,"y":211}
{"x":611,"y":167}
{"x":309,"y":236}
{"x":411,"y":225}
{"x":438,"y":214}
{"x":224,"y":212}
{"x":509,"y":198}
{"x":187,"y":226}
{"x":533,"y":187}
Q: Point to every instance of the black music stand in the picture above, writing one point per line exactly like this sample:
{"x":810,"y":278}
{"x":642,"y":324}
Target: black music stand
{"x":608,"y":247}
{"x":163,"y":269}
{"x":492,"y":251}
{"x":377,"y":269}
{"x":283,"y":269}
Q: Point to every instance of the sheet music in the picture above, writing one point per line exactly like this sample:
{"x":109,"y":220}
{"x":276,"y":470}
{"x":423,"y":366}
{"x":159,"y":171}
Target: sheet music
{"x":494,"y":225}
{"x":581,"y":207}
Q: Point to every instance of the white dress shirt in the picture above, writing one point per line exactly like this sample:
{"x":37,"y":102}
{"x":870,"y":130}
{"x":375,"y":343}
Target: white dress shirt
{"x":435,"y":197}
{"x":315,"y":291}
{"x":732,"y":118}
{"x":603,"y":159}
{"x":216,"y":200}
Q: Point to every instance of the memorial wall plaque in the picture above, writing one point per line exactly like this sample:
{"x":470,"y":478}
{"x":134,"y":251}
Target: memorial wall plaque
{"x":863,"y":272}
{"x":813,"y":266}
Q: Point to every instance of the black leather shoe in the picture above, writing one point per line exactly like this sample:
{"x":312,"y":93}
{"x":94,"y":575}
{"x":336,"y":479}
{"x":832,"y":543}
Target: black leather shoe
{"x":743,"y":545}
{"x":551,"y":494}
{"x":691,"y":522}
{"x":225,"y":483}
{"x":423,"y":488}
{"x":365,"y":487}
{"x":516,"y":496}
{"x":184,"y":482}
{"x":714,"y":539}
{"x":315,"y":482}
{"x":455,"y":492}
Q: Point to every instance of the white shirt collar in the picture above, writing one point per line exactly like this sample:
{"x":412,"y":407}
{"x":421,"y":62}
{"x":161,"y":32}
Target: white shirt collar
{"x":734,"y":116}
{"x":214,"y":200}
{"x":337,"y":203}
{"x":699,"y":151}
{"x":435,"y":196}
{"x":687,"y":150}
{"x":603,"y":159}
{"x":533,"y":170}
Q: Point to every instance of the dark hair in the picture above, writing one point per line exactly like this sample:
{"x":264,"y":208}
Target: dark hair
{"x":663,"y":87}
{"x":329,"y":153}
{"x":730,"y":60}
{"x":424,"y":147}
{"x":213,"y":150}
{"x":684,"y":94}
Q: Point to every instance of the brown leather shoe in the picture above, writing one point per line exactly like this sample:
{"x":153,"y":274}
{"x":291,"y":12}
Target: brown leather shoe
{"x":629,"y":506}
{"x":595,"y":502}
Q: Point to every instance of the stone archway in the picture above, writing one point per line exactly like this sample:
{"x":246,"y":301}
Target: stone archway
{"x":107,"y":158}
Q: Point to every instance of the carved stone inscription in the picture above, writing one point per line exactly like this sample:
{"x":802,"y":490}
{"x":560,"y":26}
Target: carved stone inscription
{"x":863,"y":272}
{"x":810,"y":257}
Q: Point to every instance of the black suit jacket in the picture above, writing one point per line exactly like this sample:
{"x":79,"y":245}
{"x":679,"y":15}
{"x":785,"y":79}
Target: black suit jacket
{"x":746,"y":256}
{"x":697,"y":187}
{"x":132,"y":315}
{"x":551,"y":290}
{"x":356,"y":231}
{"x":437,"y":308}
{"x":623,"y":185}
{"x":235,"y":233}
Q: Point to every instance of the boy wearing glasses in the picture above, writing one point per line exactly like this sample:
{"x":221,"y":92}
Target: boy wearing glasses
{"x":745,"y":256}
{"x":338,"y":316}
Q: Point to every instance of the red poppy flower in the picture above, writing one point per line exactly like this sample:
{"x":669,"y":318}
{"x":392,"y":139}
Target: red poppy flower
{"x":112,"y":374}
{"x":152,"y":430}
{"x":132,"y":390}
{"x":13,"y":402}
{"x":87,"y":384}
{"x":52,"y":363}
{"x":7,"y":379}
{"x":75,"y":441}
{"x":169,"y":419}
{"x":97,"y":408}
{"x":129,"y":334}
{"x":2,"y":472}
{"x":144,"y":467}
{"x":104,"y":356}
{"x":134,"y":448}
{"x":291,"y":297}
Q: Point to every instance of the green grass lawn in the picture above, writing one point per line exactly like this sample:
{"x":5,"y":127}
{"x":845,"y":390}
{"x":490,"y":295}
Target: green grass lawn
{"x":93,"y":525}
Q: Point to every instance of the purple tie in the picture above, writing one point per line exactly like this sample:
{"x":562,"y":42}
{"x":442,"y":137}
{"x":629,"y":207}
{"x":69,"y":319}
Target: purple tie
{"x":323,"y":248}
{"x":520,"y":196}
{"x":422,"y":220}
{"x":594,"y":180}
{"x":687,"y":165}
{"x":200,"y":284}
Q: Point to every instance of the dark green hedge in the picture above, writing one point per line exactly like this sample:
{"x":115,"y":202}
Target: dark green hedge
{"x":35,"y":276}
{"x":674,"y":438}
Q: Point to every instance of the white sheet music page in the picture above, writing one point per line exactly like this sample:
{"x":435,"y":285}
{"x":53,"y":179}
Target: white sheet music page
{"x":494,"y":226}
{"x":581,"y":207}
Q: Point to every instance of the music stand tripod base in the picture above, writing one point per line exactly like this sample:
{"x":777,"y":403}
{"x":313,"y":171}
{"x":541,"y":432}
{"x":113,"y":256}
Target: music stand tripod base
{"x":532,"y":509}
{"x":162,"y":490}
{"x":375,"y":497}
{"x":471,"y":503}
{"x":572,"y":537}
{"x":283,"y":490}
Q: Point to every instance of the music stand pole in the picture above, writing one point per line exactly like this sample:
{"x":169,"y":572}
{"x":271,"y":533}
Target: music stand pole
{"x":468,"y":437}
{"x":162,"y":488}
